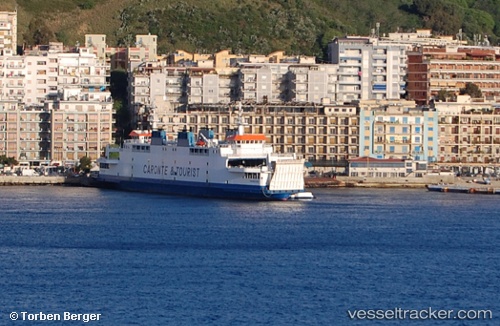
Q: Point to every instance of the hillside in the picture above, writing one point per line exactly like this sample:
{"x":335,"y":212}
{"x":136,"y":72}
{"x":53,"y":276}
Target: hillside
{"x":246,"y":26}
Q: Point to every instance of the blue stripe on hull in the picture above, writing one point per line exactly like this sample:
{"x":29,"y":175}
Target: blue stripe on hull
{"x":183,"y":188}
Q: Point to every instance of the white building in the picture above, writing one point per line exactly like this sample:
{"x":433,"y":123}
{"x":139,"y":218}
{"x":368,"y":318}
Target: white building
{"x":8,"y":31}
{"x":368,"y":69}
{"x":263,"y":82}
{"x":313,"y":83}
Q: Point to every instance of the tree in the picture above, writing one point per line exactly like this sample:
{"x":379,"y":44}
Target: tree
{"x":8,"y":160}
{"x":38,"y":33}
{"x":471,"y":89}
{"x":443,"y":95}
{"x":85,"y":164}
{"x":118,"y":87}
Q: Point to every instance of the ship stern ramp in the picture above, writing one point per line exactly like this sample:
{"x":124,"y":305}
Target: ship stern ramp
{"x":288,"y":175}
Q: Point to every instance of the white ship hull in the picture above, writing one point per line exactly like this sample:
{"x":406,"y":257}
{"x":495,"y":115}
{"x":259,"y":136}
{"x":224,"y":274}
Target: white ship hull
{"x":244,"y":167}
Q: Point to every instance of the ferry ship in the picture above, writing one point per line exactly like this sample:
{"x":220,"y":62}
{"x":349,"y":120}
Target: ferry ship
{"x":242,"y":166}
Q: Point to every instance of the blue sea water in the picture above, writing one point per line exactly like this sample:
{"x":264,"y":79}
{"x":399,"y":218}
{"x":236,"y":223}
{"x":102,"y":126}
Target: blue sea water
{"x":145,"y":259}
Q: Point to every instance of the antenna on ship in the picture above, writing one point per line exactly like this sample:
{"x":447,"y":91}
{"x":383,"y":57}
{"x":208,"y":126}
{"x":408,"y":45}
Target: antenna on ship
{"x":241,"y":128}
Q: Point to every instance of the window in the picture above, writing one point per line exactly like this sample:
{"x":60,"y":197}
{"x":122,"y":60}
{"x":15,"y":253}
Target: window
{"x":392,"y":130}
{"x":417,"y":129}
{"x":391,"y":149}
{"x":405,"y":130}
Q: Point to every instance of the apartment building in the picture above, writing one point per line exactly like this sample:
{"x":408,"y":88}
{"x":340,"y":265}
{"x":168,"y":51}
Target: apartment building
{"x":422,"y":37}
{"x":12,"y":77}
{"x":325,"y":134}
{"x":398,"y":130}
{"x":312,"y":83}
{"x":54,"y":105}
{"x":150,"y":43}
{"x":155,"y":85}
{"x":8,"y":31}
{"x":469,"y":132}
{"x":41,"y":78}
{"x":97,"y":44}
{"x":9,"y":127}
{"x":368,"y":69}
{"x":81,"y":126}
{"x":145,"y":49}
{"x":450,"y":68}
{"x":208,"y":85}
{"x":27,"y":132}
{"x":263,"y":82}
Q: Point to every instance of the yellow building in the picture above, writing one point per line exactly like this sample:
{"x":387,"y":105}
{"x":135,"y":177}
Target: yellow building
{"x":325,"y":134}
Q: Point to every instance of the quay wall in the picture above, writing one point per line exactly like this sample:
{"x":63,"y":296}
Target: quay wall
{"x":310,"y":182}
{"x":342,"y":181}
{"x":28,"y":180}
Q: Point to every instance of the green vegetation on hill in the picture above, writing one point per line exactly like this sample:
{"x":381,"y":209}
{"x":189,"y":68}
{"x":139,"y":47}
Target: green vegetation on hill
{"x":247,"y":26}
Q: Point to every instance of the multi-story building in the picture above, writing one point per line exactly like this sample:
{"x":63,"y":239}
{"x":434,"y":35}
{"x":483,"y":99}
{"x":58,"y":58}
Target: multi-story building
{"x":208,"y":85}
{"x":8,"y":31}
{"x":368,"y":69}
{"x":398,"y":130}
{"x":450,"y":68}
{"x":9,"y":138}
{"x":325,"y":134}
{"x":12,"y":77}
{"x":422,"y":37}
{"x":53,"y":102}
{"x":97,"y":43}
{"x":145,"y":49}
{"x":81,"y":126}
{"x":469,"y":132}
{"x":42,"y":78}
{"x":24,"y":131}
{"x":263,"y":83}
{"x":154,"y":85}
{"x":312,"y":83}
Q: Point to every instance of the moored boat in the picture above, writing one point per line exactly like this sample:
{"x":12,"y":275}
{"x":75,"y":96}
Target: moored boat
{"x":305,"y":195}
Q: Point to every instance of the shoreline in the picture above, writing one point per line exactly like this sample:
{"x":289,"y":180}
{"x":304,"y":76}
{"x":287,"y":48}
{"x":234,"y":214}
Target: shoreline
{"x":310,"y":182}
{"x":346,"y":182}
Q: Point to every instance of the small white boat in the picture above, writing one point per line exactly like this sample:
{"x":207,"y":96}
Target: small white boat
{"x":306,"y":195}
